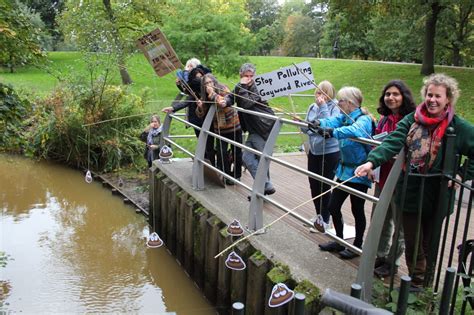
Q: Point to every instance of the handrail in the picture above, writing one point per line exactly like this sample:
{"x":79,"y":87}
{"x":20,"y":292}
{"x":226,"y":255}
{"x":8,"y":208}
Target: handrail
{"x":255,"y":221}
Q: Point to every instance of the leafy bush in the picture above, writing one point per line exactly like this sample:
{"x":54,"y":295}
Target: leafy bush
{"x":80,"y":124}
{"x":13,"y":110}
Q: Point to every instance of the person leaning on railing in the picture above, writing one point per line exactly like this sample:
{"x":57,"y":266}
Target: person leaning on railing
{"x":422,"y":134}
{"x":151,"y":137}
{"x":395,"y":103}
{"x":193,"y":90}
{"x":353,"y":122}
{"x":323,"y":154}
{"x":246,"y":96}
{"x":226,"y":123}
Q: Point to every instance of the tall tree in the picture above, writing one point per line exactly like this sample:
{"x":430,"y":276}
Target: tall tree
{"x":19,"y":36}
{"x":108,"y":27}
{"x":456,"y":31}
{"x":118,"y":43}
{"x":212,"y":30}
{"x":427,"y":67}
{"x":48,"y":10}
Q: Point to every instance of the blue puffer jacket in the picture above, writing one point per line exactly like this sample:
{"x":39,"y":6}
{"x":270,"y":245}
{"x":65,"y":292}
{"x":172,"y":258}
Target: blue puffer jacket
{"x":352,"y":153}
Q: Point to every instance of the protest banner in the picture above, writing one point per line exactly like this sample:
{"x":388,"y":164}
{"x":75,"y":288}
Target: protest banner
{"x":284,"y":81}
{"x":159,"y":52}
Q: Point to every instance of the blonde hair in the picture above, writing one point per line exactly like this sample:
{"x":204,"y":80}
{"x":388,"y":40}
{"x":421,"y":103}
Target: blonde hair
{"x":351,"y":94}
{"x":327,"y":88}
{"x":451,"y":85}
{"x":155,"y":117}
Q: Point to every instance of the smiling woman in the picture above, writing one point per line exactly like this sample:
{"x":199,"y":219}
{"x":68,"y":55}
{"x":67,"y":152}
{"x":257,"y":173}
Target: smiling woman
{"x":423,"y":134}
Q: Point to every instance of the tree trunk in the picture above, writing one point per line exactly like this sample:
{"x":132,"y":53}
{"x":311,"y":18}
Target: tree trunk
{"x":126,"y":79}
{"x":11,"y":64}
{"x":457,"y":60}
{"x":427,"y":67}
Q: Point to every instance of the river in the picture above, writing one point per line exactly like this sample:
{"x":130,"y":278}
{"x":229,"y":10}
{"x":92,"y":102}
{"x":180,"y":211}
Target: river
{"x":73,"y":247}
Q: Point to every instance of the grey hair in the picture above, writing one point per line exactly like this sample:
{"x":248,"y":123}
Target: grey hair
{"x":192,"y":63}
{"x":451,"y":85}
{"x":247,"y":67}
{"x":351,"y":94}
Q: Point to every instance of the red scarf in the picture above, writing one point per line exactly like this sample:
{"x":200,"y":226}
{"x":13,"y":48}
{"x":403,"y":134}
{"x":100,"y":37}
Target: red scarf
{"x":425,"y":136}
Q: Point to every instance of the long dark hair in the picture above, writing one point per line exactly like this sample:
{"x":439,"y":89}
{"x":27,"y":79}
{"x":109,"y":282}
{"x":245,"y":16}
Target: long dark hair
{"x":408,"y":104}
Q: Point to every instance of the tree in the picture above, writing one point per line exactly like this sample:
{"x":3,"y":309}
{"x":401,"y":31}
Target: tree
{"x":301,"y":36}
{"x":212,"y":30}
{"x":456,"y":32}
{"x":263,"y":13}
{"x":107,"y":27}
{"x":48,"y":11}
{"x":19,"y":38}
{"x":427,"y":67}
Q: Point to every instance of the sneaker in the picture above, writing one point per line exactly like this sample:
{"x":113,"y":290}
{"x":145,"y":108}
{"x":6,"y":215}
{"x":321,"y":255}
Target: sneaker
{"x":313,"y":230}
{"x":269,"y":191}
{"x":331,"y":247}
{"x":320,"y":225}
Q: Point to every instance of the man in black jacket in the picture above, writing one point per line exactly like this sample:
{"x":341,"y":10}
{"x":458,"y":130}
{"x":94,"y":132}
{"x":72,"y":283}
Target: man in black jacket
{"x":246,"y":96}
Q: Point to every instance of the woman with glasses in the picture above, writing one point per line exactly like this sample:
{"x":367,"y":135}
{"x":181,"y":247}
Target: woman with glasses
{"x":226,"y":123}
{"x":353,"y":122}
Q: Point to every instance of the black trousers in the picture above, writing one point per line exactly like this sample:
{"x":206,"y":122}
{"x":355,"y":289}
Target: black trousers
{"x":357,"y":206}
{"x":226,"y":157}
{"x":210,"y":153}
{"x":326,"y":169}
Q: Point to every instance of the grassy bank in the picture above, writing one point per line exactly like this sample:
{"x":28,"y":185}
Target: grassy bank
{"x":370,"y":77}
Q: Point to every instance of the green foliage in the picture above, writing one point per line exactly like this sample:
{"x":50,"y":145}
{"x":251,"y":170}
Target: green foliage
{"x":213,"y":31}
{"x":424,"y":302}
{"x":301,"y":36}
{"x":13,"y":110}
{"x":20,"y":38}
{"x":57,"y":122}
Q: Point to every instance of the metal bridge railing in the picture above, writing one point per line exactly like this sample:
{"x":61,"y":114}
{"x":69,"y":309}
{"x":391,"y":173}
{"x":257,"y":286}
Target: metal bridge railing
{"x":255,"y":221}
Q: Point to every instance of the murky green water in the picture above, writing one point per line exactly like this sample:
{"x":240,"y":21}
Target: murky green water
{"x":74,"y":247}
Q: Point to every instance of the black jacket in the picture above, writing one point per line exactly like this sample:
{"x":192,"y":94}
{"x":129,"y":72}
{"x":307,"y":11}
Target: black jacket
{"x":247,"y":97}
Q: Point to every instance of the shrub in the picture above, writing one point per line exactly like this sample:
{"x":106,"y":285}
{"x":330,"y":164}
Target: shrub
{"x":13,"y":111}
{"x":105,"y":143}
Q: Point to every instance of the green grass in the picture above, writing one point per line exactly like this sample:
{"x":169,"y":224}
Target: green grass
{"x":370,"y":77}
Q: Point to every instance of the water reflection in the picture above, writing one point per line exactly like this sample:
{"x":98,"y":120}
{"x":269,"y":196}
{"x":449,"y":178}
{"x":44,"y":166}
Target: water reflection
{"x":76,"y":248}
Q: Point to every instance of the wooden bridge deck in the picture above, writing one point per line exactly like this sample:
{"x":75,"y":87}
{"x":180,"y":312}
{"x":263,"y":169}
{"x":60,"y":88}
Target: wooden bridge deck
{"x":292,"y":189}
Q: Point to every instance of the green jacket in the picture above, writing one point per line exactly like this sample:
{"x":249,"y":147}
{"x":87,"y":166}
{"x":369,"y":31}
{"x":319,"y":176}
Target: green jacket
{"x":464,"y":145}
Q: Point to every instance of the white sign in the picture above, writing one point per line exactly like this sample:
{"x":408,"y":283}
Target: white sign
{"x":285,"y":81}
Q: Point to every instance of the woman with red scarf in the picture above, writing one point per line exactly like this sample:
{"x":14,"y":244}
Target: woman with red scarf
{"x":422,"y":134}
{"x":395,"y":103}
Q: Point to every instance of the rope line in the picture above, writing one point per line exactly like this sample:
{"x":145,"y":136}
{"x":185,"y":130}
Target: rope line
{"x":281,"y":217}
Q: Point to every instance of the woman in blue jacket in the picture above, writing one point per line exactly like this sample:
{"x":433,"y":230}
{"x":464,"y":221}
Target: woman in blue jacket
{"x":352,"y":123}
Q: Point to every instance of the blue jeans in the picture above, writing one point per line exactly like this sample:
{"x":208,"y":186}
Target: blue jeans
{"x":251,"y":160}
